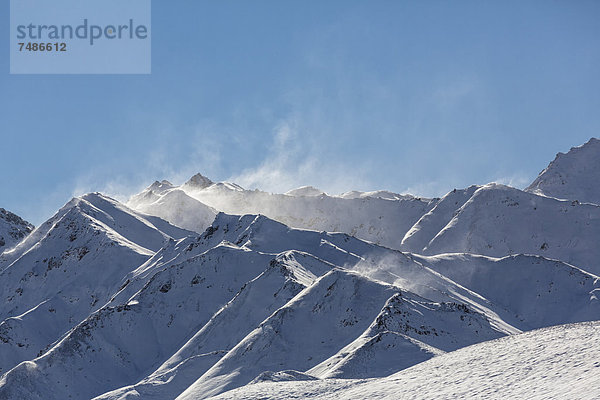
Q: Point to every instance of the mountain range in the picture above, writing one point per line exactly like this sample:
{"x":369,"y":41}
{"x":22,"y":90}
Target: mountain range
{"x":209,"y":289}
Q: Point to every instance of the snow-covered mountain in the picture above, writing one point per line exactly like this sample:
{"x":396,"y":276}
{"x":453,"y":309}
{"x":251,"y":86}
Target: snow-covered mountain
{"x":284,"y":277}
{"x":12,"y":229}
{"x":431,"y":223}
{"x":68,"y":267}
{"x":208,"y":289}
{"x":572,"y":176}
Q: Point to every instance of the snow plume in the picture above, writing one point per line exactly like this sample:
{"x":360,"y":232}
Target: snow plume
{"x":519,"y":181}
{"x":275,"y":172}
{"x":394,"y":268}
{"x":294,"y":159}
{"x":119,"y":187}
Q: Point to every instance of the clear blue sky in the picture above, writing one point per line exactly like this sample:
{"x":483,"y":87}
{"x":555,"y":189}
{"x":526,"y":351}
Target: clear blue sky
{"x":419,"y":96}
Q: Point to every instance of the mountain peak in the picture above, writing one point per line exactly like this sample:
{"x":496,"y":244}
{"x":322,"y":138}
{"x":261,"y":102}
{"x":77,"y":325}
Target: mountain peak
{"x":573,"y":175}
{"x":164,"y":184}
{"x":592,"y":142}
{"x":199,"y":181}
{"x":159,"y":187}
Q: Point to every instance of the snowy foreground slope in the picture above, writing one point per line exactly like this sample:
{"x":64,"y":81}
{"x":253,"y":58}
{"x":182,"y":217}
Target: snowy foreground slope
{"x":187,"y":292}
{"x":561,"y":362}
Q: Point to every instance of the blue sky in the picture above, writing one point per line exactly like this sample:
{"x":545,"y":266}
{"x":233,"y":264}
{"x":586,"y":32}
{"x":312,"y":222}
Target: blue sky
{"x":400,"y":95}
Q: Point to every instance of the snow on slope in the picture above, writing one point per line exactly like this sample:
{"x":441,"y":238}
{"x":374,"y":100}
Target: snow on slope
{"x":260,"y":233}
{"x":70,"y":266}
{"x":573,"y":176}
{"x":550,"y":292}
{"x":375,"y":356}
{"x":320,"y":251}
{"x":435,"y":220}
{"x":569,"y":299}
{"x":515,"y":292}
{"x":529,"y":292}
{"x":499,"y":220}
{"x":12,"y":229}
{"x":253,"y":232}
{"x":381,"y":217}
{"x":301,"y":334}
{"x":285,"y":277}
{"x":131,"y":320}
{"x":120,"y":343}
{"x":560,"y":362}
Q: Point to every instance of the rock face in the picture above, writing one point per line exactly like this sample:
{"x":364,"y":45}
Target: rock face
{"x":12,"y":229}
{"x":199,"y":181}
{"x":573,"y":176}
